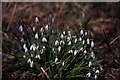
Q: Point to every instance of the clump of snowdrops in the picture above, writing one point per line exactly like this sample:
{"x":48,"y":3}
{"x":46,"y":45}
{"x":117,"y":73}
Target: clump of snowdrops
{"x":55,"y":53}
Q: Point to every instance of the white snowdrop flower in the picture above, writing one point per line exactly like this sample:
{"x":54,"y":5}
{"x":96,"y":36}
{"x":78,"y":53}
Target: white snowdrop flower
{"x":36,"y":19}
{"x":24,"y":46}
{"x":31,"y":47}
{"x":31,"y":64}
{"x":90,"y":64}
{"x":95,"y":77}
{"x":75,"y":40}
{"x":44,"y":39}
{"x":59,"y":48}
{"x":81,"y":32}
{"x":24,"y":56}
{"x":75,"y":52}
{"x":88,"y":74}
{"x":41,"y":51}
{"x":22,"y":40}
{"x":61,"y":36}
{"x":70,"y":51}
{"x":85,"y":51}
{"x":74,"y":36}
{"x":86,"y":33}
{"x":33,"y":28}
{"x":69,"y":32}
{"x":26,"y":49}
{"x":20,"y":28}
{"x":37,"y":47}
{"x":31,"y":55}
{"x":69,"y":43}
{"x":92,"y":55}
{"x":36,"y":36}
{"x":64,"y":32}
{"x":56,"y":42}
{"x":29,"y":60}
{"x":68,"y":38}
{"x":56,"y":59}
{"x":83,"y":42}
{"x":41,"y":29}
{"x":43,"y":47}
{"x":63,"y":63}
{"x":62,"y":42}
{"x":81,"y":48}
{"x":34,"y":48}
{"x":53,"y":50}
{"x":88,"y":41}
{"x":97,"y":71}
{"x":101,"y":68}
{"x":80,"y":39}
{"x":46,"y":27}
{"x":37,"y":56}
{"x":92,"y":44}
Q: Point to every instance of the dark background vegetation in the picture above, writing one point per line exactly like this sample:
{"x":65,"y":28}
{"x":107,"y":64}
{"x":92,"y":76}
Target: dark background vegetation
{"x":101,"y":19}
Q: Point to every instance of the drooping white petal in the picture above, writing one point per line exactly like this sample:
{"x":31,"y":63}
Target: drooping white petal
{"x":75,"y":40}
{"x":20,"y":28}
{"x":56,"y":42}
{"x":44,"y":39}
{"x":97,"y":71}
{"x":31,"y":64}
{"x":69,"y":43}
{"x":88,"y":41}
{"x":90,"y":64}
{"x":88,"y":74}
{"x":75,"y":52}
{"x":36,"y":36}
{"x":59,"y":48}
{"x":63,"y":63}
{"x":61,"y":36}
{"x":92,"y":55}
{"x":56,"y":59}
{"x":70,"y":51}
{"x":92,"y":44}
{"x":36,"y":19}
{"x":46,"y":27}
{"x":29,"y":60}
{"x":81,"y":32}
{"x":33,"y":28}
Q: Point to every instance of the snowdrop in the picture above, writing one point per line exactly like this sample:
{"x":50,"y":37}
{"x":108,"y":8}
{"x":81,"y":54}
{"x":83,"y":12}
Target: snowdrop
{"x":62,"y":42}
{"x":44,"y":39}
{"x":88,"y":41}
{"x":75,"y":52}
{"x":33,"y":28}
{"x":90,"y":64}
{"x":37,"y":56}
{"x":69,"y":32}
{"x":20,"y":28}
{"x":56,"y":42}
{"x":64,"y":32}
{"x":92,"y":55}
{"x":70,"y":51}
{"x":24,"y":56}
{"x":25,"y":48}
{"x":41,"y":51}
{"x":59,"y":48}
{"x":88,"y":74}
{"x":41,"y":30}
{"x":69,"y":43}
{"x":83,"y":42}
{"x":31,"y":64}
{"x":36,"y":19}
{"x":68,"y":38}
{"x":63,"y":63}
{"x":86,"y":33}
{"x":46,"y":27}
{"x":81,"y":48}
{"x":56,"y":59}
{"x":36,"y":36}
{"x":61,"y":36}
{"x":92,"y":44}
{"x":80,"y":39}
{"x":95,"y":77}
{"x":81,"y":32}
{"x":29,"y":60}
{"x":85,"y":51}
{"x":75,"y":40}
{"x":97,"y":71}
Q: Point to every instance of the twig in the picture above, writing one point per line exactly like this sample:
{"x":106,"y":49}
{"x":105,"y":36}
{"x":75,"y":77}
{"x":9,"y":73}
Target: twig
{"x":45,"y":73}
{"x":115,"y":39}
